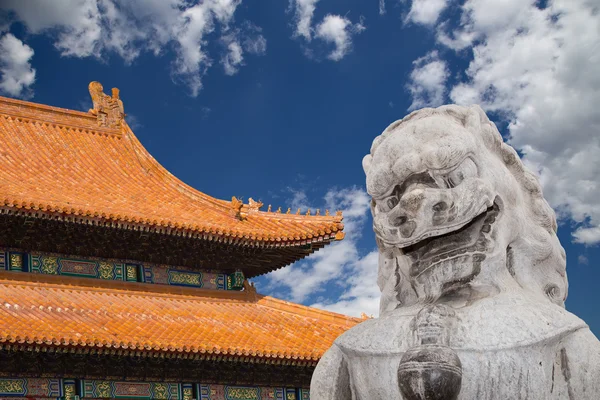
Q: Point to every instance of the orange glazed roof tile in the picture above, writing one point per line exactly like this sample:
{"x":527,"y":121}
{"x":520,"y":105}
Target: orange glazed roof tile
{"x":131,"y":318}
{"x":87,"y":167}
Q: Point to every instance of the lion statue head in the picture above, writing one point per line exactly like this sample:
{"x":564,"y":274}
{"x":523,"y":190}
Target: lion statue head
{"x":456,"y":214}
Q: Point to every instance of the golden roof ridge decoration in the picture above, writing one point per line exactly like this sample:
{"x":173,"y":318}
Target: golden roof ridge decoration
{"x":108,"y":110}
{"x":254,"y":206}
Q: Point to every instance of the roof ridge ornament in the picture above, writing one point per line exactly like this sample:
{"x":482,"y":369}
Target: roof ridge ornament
{"x":236,"y":205}
{"x":249,"y":287}
{"x":254,"y":206}
{"x":108,"y":110}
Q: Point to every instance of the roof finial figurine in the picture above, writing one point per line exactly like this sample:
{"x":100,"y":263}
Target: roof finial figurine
{"x":249,"y":287}
{"x":327,"y":213}
{"x":289,"y":211}
{"x":308,"y":212}
{"x":279,"y":210}
{"x":298,"y":212}
{"x":254,"y":205}
{"x":269,"y":208}
{"x":338,"y":213}
{"x":236,"y":206}
{"x":318,"y":212}
{"x":109,"y":110}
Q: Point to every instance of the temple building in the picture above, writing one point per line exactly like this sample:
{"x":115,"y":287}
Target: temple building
{"x":117,"y":280}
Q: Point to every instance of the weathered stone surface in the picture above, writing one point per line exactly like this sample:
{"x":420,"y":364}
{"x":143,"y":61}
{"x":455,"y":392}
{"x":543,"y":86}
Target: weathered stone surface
{"x":472,"y":274}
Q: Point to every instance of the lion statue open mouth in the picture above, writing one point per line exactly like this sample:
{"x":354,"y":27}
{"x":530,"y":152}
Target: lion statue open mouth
{"x":472,"y":274}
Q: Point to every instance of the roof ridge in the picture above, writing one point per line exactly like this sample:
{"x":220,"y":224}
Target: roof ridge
{"x":68,"y":118}
{"x":32,"y":104}
{"x":295,"y":308}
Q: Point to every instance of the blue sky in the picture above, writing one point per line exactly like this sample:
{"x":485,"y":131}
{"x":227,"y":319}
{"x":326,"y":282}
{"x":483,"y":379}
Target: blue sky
{"x":280,"y":100}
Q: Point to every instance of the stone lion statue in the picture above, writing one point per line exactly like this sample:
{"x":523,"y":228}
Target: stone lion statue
{"x":472,"y":275}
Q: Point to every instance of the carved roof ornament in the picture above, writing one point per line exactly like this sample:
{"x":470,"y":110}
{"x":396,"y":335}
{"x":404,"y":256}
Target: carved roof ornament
{"x":236,"y":207}
{"x":249,"y":287}
{"x":254,"y":206}
{"x":109,"y":110}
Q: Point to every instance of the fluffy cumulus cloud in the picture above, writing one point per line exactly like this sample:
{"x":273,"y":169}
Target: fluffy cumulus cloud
{"x":248,"y":39}
{"x":338,"y":30}
{"x":303,"y":15}
{"x":535,"y":65}
{"x":90,"y":28}
{"x":16,"y":74}
{"x":427,"y":81}
{"x":333,"y":29}
{"x":339,"y":266}
{"x":426,"y":12}
{"x":234,"y":56}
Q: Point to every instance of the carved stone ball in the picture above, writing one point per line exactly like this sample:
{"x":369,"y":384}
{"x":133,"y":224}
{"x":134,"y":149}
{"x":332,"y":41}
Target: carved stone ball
{"x":430,"y":372}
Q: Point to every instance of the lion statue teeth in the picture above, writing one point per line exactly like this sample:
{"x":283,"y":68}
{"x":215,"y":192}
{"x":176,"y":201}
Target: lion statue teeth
{"x":472,"y":275}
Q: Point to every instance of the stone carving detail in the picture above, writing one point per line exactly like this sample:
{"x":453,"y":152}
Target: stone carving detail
{"x":109,"y":110}
{"x":472,"y":275}
{"x":431,"y":370}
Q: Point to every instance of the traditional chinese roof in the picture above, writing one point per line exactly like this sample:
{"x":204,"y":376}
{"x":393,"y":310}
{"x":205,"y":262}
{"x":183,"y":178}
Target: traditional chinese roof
{"x":63,"y":166}
{"x":63,"y":313}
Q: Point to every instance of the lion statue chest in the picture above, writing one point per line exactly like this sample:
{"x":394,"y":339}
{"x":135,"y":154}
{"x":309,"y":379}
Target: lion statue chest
{"x":509,"y":349}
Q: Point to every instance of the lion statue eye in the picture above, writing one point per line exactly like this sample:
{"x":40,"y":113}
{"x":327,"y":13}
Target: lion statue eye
{"x":392,"y":202}
{"x":467,"y":169}
{"x":387,"y":204}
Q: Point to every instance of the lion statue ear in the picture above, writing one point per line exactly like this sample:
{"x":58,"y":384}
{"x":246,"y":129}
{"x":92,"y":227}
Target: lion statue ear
{"x":366,"y":163}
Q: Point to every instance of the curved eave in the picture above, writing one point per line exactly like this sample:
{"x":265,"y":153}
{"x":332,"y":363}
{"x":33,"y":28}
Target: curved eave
{"x":114,"y":166}
{"x":217,"y":235}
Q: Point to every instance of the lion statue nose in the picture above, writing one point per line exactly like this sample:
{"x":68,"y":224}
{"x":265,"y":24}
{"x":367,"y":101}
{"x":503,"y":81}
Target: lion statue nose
{"x":405,"y":226}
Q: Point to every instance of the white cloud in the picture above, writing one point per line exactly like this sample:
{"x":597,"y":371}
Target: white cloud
{"x":363,"y":294}
{"x":248,"y":39}
{"x":234,"y":57}
{"x":426,"y":12}
{"x":255,"y":44}
{"x":299,"y":200}
{"x":90,"y":28}
{"x":583,"y":260}
{"x":303,"y":15}
{"x":427,"y":83}
{"x":539,"y":69}
{"x":339,"y":264}
{"x":333,"y":29}
{"x":77,"y":22}
{"x":381,"y":7}
{"x":16,"y":74}
{"x":338,"y":30}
